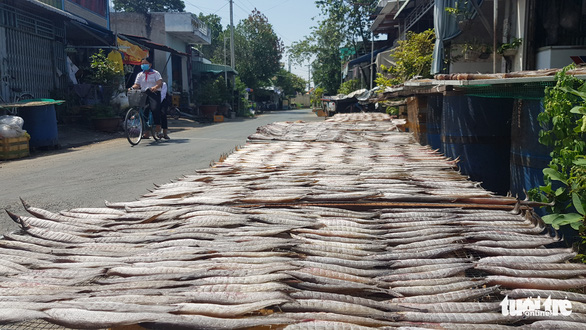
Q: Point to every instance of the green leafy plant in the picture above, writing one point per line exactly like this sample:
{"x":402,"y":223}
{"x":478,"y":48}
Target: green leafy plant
{"x":316,"y":97}
{"x":392,"y":111}
{"x":412,"y":57}
{"x":564,"y":125}
{"x":349,"y":86}
{"x":462,"y":10}
{"x":212,"y":91}
{"x":514,"y":44}
{"x":104,"y":71}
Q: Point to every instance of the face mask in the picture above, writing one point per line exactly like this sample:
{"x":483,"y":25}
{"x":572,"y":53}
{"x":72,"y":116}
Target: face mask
{"x":144,"y":67}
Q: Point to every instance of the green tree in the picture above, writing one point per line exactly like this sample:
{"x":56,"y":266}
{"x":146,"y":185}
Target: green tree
{"x":349,"y":86}
{"x":145,"y":6}
{"x":355,"y":16}
{"x":322,"y":49}
{"x":345,"y":25}
{"x":289,"y":82}
{"x":258,"y":50}
{"x":412,"y":56}
{"x":215,"y":50}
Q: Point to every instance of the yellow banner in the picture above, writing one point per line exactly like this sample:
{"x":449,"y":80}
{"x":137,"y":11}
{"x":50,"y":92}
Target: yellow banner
{"x":133,"y":54}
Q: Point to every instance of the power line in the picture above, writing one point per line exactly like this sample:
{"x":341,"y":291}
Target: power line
{"x":277,"y":5}
{"x":247,"y":9}
{"x":221,"y":8}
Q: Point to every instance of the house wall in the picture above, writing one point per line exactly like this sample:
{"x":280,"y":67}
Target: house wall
{"x":32,"y":51}
{"x":180,"y":46}
{"x":136,"y":24}
{"x":87,"y":14}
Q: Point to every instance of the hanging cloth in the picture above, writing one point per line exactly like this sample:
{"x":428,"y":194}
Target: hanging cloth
{"x":116,"y":57}
{"x":446,"y":28}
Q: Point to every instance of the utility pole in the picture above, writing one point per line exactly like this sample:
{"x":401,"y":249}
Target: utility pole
{"x":371,"y":58}
{"x":232,"y":62}
{"x":225,"y":71}
{"x":232,"y":34}
{"x":308,"y":77}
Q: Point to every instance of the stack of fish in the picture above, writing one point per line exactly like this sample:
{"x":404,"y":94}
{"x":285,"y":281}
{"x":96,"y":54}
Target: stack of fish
{"x":353,"y":233}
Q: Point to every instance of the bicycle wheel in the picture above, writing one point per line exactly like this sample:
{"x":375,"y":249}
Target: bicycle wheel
{"x":133,"y":126}
{"x":151,"y":124}
{"x":174,"y":113}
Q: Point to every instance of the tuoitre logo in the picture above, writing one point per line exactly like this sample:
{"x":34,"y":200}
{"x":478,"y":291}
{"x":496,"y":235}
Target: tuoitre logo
{"x":534,"y":307}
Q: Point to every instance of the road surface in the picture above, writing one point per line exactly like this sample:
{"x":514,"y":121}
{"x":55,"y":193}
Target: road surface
{"x":115,"y":171}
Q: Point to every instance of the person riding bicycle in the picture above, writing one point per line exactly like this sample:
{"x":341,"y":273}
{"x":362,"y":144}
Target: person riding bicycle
{"x":151,"y":82}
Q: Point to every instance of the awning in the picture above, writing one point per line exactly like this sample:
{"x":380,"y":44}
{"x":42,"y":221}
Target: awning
{"x":384,"y":58}
{"x":366,"y":57}
{"x":133,"y":53}
{"x":57,"y":11}
{"x":200,"y":67}
{"x":80,"y":34}
{"x":145,"y":42}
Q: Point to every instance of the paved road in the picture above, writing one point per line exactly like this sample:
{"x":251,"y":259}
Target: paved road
{"x":115,"y":171}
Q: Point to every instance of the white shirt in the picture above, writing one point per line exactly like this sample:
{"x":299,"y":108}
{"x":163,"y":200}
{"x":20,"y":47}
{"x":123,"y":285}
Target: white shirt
{"x":163,"y":91}
{"x":147,"y":79}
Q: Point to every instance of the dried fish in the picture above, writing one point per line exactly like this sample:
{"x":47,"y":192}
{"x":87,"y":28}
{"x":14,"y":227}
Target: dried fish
{"x":516,"y":252}
{"x":315,"y":325}
{"x":335,"y":317}
{"x":453,"y":307}
{"x":552,"y":273}
{"x":457,"y":317}
{"x":515,"y":244}
{"x":332,"y":306}
{"x":537,"y":283}
{"x":511,"y":260}
{"x":361,"y":264}
{"x":14,"y":315}
{"x":461,"y":295}
{"x":438,"y":273}
{"x":436,"y":251}
{"x":423,"y":262}
{"x":435,"y":289}
{"x":233,"y":298}
{"x":218,"y":310}
{"x":430,"y":282}
{"x":85,"y":319}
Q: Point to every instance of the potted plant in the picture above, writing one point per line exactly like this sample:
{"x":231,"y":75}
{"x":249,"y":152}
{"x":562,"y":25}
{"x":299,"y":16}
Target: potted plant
{"x":210,"y":96}
{"x":106,"y":74}
{"x":510,"y":49}
{"x":105,"y":118}
{"x":475,"y":50}
{"x":463,"y":12}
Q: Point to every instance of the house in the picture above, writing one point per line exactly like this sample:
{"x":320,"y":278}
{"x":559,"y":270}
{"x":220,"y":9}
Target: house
{"x":492,"y":62}
{"x":538,"y":34}
{"x":169,"y":37}
{"x":35,"y":36}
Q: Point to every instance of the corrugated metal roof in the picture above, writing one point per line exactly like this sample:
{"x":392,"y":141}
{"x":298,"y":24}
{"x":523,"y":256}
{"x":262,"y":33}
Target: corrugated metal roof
{"x":200,"y":67}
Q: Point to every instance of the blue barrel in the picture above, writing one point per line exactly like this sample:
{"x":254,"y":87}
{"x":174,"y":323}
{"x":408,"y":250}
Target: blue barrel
{"x":478,"y":131}
{"x":434,"y":119}
{"x":40,"y":122}
{"x":528,"y":156}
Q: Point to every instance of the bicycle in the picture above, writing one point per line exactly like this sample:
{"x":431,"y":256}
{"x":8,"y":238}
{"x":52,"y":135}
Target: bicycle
{"x":139,"y":118}
{"x":18,"y":95}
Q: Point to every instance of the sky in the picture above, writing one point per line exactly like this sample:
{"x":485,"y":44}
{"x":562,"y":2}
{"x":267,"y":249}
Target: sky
{"x":291,"y":19}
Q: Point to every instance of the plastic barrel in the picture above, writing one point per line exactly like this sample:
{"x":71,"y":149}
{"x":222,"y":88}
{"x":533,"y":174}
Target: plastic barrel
{"x":478,"y":131}
{"x":528,"y":156}
{"x":40,"y":122}
{"x":434,"y":118}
